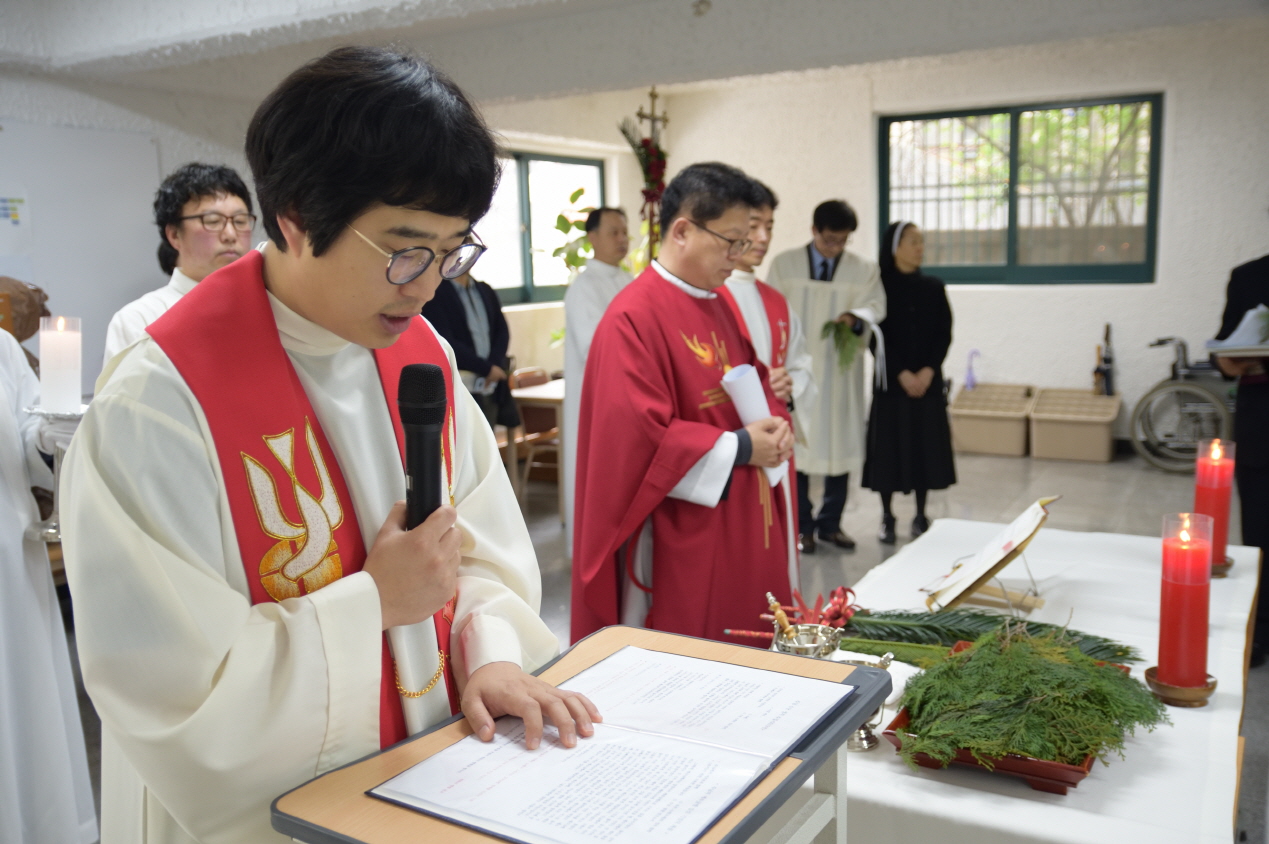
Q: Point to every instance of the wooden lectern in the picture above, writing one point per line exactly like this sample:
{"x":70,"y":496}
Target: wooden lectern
{"x":335,"y":807}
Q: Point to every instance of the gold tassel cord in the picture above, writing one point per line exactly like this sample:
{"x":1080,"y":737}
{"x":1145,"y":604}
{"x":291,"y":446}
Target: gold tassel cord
{"x":436,"y":678}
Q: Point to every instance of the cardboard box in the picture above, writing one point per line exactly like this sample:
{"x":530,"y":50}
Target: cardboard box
{"x":992,"y":419}
{"x":1073,"y":425}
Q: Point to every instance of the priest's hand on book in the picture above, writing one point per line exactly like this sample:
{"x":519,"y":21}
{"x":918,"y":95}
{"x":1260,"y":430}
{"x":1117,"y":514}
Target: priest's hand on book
{"x":503,"y":688}
{"x":416,"y":571}
{"x":772,"y":440}
{"x":781,"y":383}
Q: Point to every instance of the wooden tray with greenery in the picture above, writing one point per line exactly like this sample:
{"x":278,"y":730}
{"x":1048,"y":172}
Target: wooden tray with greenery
{"x":1130,"y":709}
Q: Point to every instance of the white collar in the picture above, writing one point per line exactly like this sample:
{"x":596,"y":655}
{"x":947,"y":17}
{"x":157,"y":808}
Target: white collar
{"x":694,"y":292}
{"x":742,"y":277}
{"x":302,"y":335}
{"x":180,"y":282}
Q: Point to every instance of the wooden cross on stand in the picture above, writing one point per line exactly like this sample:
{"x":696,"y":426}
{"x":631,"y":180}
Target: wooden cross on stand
{"x":656,"y":120}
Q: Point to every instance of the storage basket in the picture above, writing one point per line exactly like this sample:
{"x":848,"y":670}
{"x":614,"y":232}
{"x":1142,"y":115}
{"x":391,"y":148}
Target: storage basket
{"x":1073,"y":425}
{"x":992,"y":419}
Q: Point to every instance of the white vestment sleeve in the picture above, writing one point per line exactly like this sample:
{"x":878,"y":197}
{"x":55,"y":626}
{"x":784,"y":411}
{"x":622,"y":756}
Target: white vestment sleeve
{"x":799,"y":363}
{"x":704,"y":483}
{"x":217,"y":704}
{"x":499,"y":585}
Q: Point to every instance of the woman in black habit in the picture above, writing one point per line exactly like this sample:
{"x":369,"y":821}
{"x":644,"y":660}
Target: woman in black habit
{"x":909,"y":440}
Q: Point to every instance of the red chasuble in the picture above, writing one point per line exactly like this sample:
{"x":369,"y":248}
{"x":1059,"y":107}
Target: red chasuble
{"x":290,"y":505}
{"x":652,"y":407}
{"x":777,"y":308}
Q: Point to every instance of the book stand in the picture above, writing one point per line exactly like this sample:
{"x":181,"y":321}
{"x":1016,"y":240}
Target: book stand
{"x":335,"y":807}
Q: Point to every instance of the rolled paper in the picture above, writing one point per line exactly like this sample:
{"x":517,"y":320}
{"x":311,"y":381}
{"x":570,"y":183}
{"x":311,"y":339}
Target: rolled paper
{"x":61,"y":390}
{"x":745,"y":389}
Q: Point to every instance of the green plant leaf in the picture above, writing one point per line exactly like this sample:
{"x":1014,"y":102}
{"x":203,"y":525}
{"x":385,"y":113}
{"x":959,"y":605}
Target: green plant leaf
{"x":580,"y":225}
{"x":576,"y":195}
{"x":562,"y":224}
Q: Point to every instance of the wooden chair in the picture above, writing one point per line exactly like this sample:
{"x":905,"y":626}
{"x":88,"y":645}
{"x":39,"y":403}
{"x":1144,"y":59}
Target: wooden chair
{"x":539,"y":430}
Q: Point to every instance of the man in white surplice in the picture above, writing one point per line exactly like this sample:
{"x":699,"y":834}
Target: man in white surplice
{"x":203,"y":212}
{"x":584,"y":304}
{"x":791,"y":376}
{"x":825,"y":283}
{"x":45,"y":793}
{"x":214,"y":701}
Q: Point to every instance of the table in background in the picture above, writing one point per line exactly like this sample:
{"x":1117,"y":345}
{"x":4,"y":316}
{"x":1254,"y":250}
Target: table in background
{"x":549,"y":395}
{"x":335,"y":807}
{"x":1177,"y":784}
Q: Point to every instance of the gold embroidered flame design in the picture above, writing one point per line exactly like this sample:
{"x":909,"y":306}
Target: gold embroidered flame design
{"x":306,"y":557}
{"x":709,"y":356}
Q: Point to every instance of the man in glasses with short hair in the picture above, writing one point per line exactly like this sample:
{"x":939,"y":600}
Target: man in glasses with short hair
{"x":251,"y":609}
{"x":676,"y":526}
{"x":205,"y":218}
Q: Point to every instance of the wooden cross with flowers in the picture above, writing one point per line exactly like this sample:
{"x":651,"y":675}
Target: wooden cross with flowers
{"x":651,"y":157}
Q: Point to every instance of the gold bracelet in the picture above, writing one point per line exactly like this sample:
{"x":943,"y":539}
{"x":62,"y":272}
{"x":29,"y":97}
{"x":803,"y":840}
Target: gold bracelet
{"x":436,"y":678}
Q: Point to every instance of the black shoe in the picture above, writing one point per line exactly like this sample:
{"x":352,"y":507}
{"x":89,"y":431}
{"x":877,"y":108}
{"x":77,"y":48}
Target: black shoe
{"x":919,"y":526}
{"x":886,"y":534}
{"x":840,"y":539}
{"x":806,"y":543}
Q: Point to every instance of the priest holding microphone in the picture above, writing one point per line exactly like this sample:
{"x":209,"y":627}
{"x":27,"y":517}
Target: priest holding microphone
{"x":253,"y":606}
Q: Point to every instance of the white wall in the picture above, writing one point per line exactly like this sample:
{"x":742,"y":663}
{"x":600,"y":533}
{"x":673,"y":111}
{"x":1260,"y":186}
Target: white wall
{"x":813,"y":136}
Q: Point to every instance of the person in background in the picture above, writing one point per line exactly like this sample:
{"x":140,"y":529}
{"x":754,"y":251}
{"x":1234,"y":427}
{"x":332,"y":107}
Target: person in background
{"x":763,"y":315}
{"x":824,"y":283}
{"x":909,"y":439}
{"x":204,"y":215}
{"x":585,"y":301}
{"x":467,"y":313}
{"x":1249,"y":287}
{"x":45,"y":793}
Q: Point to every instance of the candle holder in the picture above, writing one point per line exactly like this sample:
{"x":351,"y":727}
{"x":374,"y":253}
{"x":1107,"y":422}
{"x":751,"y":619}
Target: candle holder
{"x":50,"y":530}
{"x":1181,"y":678}
{"x":1213,"y":485}
{"x":60,"y":363}
{"x":1187,"y":696}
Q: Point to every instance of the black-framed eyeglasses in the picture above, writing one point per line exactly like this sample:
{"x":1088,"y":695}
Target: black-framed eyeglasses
{"x":405,"y":265}
{"x":735,"y":246}
{"x":215,"y":222}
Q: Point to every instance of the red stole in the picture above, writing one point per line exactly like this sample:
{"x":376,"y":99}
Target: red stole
{"x":652,"y":407}
{"x":777,"y":308}
{"x":291,"y":509}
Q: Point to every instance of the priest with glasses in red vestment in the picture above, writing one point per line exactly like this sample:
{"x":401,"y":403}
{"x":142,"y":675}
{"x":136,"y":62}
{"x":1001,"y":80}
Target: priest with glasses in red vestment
{"x":677,"y":527}
{"x":251,"y":610}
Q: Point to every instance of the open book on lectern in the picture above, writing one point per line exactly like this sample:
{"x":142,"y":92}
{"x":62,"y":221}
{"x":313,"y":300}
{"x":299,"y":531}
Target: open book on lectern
{"x":970,"y":577}
{"x":682,"y":740}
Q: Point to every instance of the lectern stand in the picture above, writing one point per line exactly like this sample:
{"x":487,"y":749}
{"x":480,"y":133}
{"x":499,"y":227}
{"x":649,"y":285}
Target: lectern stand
{"x":335,"y":807}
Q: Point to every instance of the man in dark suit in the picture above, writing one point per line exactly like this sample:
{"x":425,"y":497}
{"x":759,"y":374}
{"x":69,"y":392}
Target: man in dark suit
{"x":1249,"y":287}
{"x":467,"y":313}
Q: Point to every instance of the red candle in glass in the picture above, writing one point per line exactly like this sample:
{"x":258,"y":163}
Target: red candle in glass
{"x":1213,"y":483}
{"x":1183,"y":612}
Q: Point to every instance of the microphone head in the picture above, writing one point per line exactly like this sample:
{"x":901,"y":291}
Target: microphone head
{"x":421,"y":394}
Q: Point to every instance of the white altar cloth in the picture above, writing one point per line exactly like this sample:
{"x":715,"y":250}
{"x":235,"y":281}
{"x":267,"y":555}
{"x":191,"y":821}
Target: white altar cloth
{"x":1177,"y":784}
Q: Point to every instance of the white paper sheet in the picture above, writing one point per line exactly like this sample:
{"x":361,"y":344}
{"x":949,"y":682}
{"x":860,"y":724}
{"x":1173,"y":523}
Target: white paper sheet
{"x":681,"y":740}
{"x":745,"y":389}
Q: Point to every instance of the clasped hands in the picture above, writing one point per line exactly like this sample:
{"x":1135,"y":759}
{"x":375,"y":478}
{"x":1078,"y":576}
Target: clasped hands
{"x":772,"y":440}
{"x":916,"y":383}
{"x":416,"y":572}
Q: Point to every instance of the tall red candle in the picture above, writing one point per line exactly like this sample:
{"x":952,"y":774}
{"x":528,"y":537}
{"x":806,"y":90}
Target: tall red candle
{"x":1183,"y":611}
{"x":1213,"y":483}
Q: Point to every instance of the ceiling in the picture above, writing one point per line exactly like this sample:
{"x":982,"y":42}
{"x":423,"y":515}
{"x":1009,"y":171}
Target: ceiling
{"x":525,"y":49}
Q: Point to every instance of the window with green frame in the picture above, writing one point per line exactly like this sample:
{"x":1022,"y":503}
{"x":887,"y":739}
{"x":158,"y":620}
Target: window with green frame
{"x":523,"y":228}
{"x":1033,"y":194}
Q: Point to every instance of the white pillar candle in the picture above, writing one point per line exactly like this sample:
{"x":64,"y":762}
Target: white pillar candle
{"x":60,"y":363}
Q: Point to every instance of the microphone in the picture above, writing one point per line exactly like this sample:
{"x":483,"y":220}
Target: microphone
{"x":422,"y":405}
